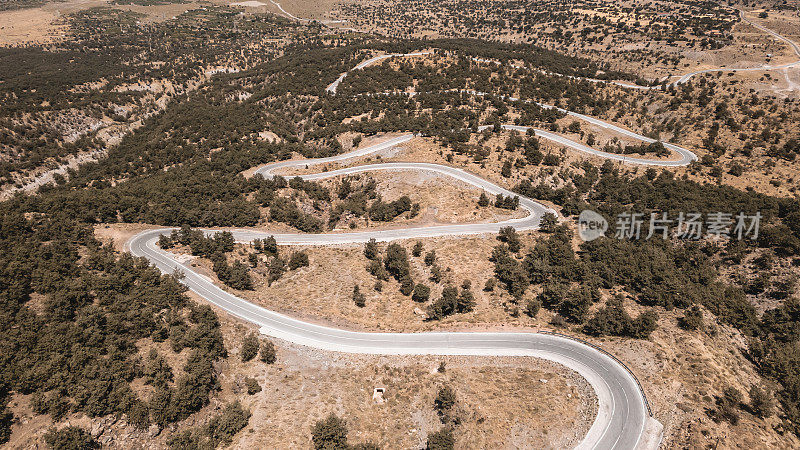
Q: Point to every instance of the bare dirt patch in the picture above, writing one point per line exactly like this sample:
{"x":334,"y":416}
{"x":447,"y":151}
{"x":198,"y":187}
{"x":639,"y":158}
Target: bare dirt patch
{"x":442,"y":200}
{"x":503,"y":400}
{"x":34,"y":25}
{"x":119,"y":234}
{"x":159,"y":13}
{"x":305,"y":9}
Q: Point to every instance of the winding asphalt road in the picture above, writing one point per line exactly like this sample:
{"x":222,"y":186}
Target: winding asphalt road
{"x":530,"y":222}
{"x":622,"y":421}
{"x":788,"y":41}
{"x":685,"y":156}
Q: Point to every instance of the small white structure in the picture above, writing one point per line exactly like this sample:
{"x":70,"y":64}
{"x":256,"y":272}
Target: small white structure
{"x":377,"y":394}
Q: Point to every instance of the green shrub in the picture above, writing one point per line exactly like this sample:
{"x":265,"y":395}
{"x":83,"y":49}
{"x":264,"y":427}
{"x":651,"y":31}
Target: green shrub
{"x":252,"y":386}
{"x":421,"y":293}
{"x":249,"y":347}
{"x":268,"y":353}
{"x":70,"y":438}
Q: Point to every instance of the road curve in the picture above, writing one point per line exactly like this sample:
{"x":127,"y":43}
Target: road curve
{"x":622,"y":421}
{"x":335,"y":85}
{"x":288,"y":14}
{"x":685,"y":156}
{"x":530,"y":222}
{"x":683,"y":78}
{"x":791,"y":43}
{"x":326,"y":22}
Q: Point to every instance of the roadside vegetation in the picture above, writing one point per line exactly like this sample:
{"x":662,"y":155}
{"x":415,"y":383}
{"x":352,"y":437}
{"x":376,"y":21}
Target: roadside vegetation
{"x":598,"y":30}
{"x":79,"y":94}
{"x":668,"y":273}
{"x":93,"y":331}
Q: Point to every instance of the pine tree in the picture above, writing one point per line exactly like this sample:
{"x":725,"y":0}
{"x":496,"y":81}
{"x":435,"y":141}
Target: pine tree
{"x":430,"y":258}
{"x":760,"y":402}
{"x":483,"y":201}
{"x":268,"y":353}
{"x":506,"y":170}
{"x":509,"y":236}
{"x":549,"y":222}
{"x":298,"y":260}
{"x":371,"y":249}
{"x":330,"y":434}
{"x":249,"y":348}
{"x":466,"y":301}
{"x":421,"y":293}
{"x":358,"y":298}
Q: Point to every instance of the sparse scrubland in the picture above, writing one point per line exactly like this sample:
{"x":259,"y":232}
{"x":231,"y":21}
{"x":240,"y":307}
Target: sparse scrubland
{"x":99,"y":348}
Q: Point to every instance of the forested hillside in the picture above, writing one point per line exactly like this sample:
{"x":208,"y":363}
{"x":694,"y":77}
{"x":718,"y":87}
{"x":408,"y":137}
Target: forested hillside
{"x":250,"y":89}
